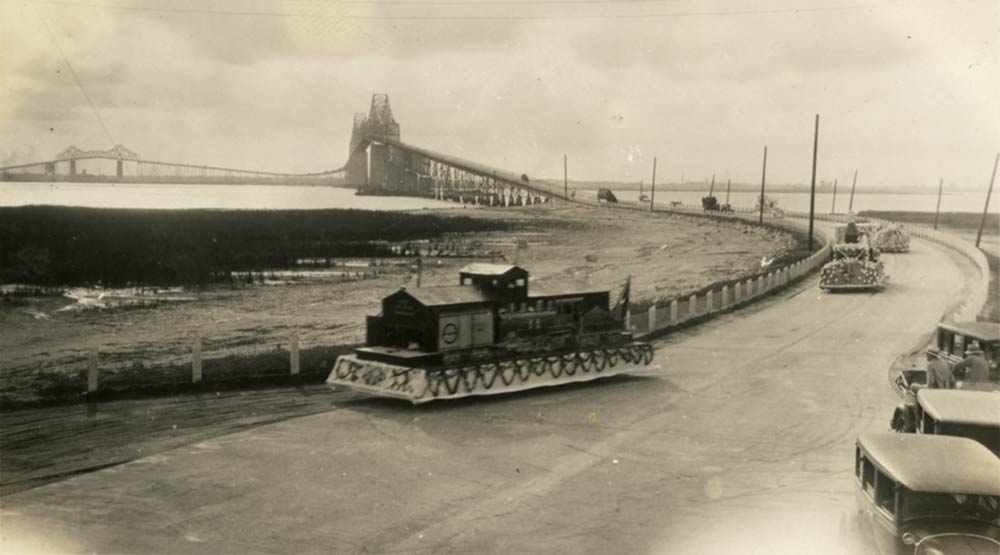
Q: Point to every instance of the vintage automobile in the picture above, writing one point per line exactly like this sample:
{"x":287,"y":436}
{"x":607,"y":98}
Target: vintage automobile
{"x":925,"y":495}
{"x":710,"y":203}
{"x":950,"y":342}
{"x":854,"y":266}
{"x":953,"y":412}
{"x":606,"y":195}
{"x":492,"y":333}
{"x":953,"y":339}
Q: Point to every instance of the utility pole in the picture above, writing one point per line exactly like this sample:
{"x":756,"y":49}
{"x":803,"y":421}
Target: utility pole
{"x":729,"y":185}
{"x":763,"y":178}
{"x":850,"y":205}
{"x":565,"y":180}
{"x":711,"y":188}
{"x":652,"y":186}
{"x":812,"y":191}
{"x":937,"y":211}
{"x":833,"y":209}
{"x":982,"y":222}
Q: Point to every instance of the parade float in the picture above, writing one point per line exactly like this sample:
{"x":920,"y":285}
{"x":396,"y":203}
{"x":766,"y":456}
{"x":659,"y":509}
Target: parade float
{"x":490,"y":335}
{"x":892,"y":238}
{"x":888,"y":237}
{"x":854,"y":266}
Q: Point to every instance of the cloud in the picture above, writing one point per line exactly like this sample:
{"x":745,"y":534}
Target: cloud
{"x":703,"y":94}
{"x":744,"y":47}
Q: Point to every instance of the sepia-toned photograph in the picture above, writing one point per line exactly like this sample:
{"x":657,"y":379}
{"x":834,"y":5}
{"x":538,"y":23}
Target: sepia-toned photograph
{"x":641,"y":277}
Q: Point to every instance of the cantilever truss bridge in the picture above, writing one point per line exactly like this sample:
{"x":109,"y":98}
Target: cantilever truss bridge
{"x":378,"y":163}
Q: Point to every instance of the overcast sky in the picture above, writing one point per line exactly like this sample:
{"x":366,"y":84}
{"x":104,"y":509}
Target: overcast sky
{"x":907,"y":91}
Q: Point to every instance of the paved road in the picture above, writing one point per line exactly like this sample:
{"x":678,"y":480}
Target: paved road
{"x":741,"y":443}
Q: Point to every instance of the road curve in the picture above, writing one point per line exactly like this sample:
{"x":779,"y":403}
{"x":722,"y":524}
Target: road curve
{"x":741,"y":442}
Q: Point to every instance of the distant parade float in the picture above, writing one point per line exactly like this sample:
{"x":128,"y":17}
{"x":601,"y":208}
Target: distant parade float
{"x":490,"y":335}
{"x":854,"y":266}
{"x":884,"y":237}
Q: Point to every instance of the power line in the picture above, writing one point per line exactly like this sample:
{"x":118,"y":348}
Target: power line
{"x":75,"y":77}
{"x":370,"y":17}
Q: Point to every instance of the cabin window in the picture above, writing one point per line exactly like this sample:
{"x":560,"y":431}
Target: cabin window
{"x":958,"y":345}
{"x":464,"y":281}
{"x":944,"y":341}
{"x":927,"y":424}
{"x":885,"y":490}
{"x":867,"y":476}
{"x":519,"y":282}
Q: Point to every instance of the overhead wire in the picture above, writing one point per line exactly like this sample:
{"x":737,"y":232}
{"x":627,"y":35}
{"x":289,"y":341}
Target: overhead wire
{"x":464,"y":17}
{"x":76,"y":77}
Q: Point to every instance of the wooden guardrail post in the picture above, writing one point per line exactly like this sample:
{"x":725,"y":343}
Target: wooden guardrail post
{"x":693,"y":306}
{"x":673,"y":311}
{"x":709,"y":302}
{"x":725,"y":296}
{"x":196,"y":359}
{"x":293,"y":355}
{"x":92,"y":371}
{"x":652,"y":317}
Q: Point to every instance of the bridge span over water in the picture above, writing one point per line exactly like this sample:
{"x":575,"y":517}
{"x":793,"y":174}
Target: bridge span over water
{"x":378,"y":163}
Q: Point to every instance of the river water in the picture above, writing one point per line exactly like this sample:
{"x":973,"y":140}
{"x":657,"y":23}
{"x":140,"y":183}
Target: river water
{"x":273,"y":197}
{"x":162,"y":196}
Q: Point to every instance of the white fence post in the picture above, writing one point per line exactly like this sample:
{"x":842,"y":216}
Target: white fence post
{"x":709,"y":304}
{"x":673,"y":311}
{"x":725,"y":296}
{"x":692,"y":306}
{"x":293,"y":353}
{"x":196,"y":360}
{"x":92,"y":372}
{"x":652,"y":317}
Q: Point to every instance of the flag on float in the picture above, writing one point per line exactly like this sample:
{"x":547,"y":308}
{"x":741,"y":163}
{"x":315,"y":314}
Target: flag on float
{"x":621,"y":306}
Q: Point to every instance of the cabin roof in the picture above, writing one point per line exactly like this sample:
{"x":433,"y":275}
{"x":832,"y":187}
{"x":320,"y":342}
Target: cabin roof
{"x":935,"y":464}
{"x":975,"y":408}
{"x":984,"y":331}
{"x":446,"y":295}
{"x":562,"y":288}
{"x":486,"y":269}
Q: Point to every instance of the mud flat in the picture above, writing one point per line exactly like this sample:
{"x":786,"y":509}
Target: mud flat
{"x":245,"y":330}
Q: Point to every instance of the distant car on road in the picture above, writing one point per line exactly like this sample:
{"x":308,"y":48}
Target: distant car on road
{"x":951,"y":412}
{"x":606,"y":195}
{"x":925,"y":495}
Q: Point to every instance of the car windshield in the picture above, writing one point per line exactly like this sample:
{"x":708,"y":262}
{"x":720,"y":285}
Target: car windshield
{"x":985,"y":508}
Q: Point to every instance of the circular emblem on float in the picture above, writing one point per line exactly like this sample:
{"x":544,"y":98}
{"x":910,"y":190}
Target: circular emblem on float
{"x":449,"y":333}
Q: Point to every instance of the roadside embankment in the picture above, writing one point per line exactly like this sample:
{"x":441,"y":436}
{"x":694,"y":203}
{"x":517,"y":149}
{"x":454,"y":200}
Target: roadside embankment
{"x":48,"y":343}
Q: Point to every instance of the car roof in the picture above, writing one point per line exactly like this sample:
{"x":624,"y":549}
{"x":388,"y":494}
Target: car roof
{"x":934,"y":464}
{"x":977,"y":408}
{"x":984,"y":331}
